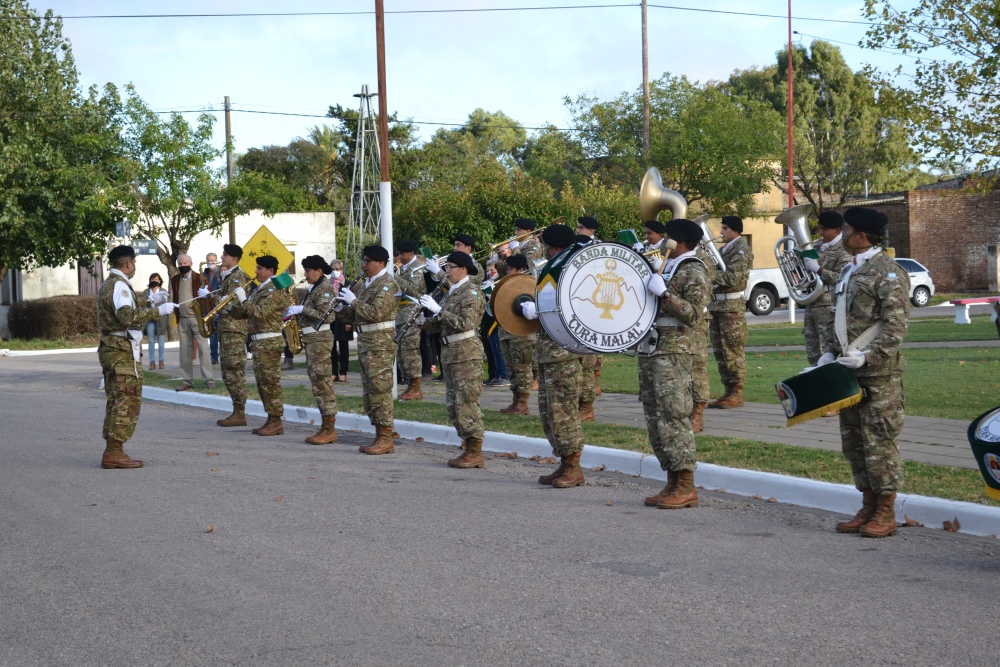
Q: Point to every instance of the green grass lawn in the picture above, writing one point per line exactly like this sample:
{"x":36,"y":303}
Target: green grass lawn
{"x":50,"y":343}
{"x":920,"y":330}
{"x":921,"y":478}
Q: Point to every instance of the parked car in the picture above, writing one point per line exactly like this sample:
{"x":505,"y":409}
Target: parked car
{"x":766,"y":290}
{"x":921,"y":284}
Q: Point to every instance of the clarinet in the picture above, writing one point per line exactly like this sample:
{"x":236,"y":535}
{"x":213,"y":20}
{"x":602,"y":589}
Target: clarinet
{"x":435,"y":294}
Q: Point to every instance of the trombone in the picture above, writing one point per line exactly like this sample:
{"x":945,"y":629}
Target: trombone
{"x":517,"y":237}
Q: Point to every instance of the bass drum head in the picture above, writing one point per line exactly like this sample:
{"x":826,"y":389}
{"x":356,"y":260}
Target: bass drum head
{"x":598,"y":295}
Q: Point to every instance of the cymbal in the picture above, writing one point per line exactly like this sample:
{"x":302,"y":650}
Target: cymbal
{"x":508,"y":293}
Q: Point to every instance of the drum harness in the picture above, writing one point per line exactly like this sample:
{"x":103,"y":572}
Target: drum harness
{"x":648,"y":344}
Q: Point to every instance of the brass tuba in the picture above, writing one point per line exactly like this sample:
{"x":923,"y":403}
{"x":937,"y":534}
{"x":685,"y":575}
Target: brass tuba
{"x":707,"y":242}
{"x":654,"y":197}
{"x":804,"y":286}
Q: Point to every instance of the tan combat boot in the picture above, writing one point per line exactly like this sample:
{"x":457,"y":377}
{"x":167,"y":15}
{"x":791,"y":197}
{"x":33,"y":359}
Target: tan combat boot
{"x":237,"y":418}
{"x":572,"y":474}
{"x":597,"y":379}
{"x":683,"y":495}
{"x":472,"y":457}
{"x":272,"y":426}
{"x":513,"y":402}
{"x":864,"y":515}
{"x":698,"y":418}
{"x":382,"y":444}
{"x":735,"y":398}
{"x":725,"y":395}
{"x":326,"y":435}
{"x":586,"y":412}
{"x":413,"y":391}
{"x":534,"y":385}
{"x":651,"y":501}
{"x":883,"y":523}
{"x":115,"y":457}
{"x":548,"y":479}
{"x":522,"y":405}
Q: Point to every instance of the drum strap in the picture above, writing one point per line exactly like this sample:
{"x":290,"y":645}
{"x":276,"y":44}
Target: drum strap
{"x":673,"y":269}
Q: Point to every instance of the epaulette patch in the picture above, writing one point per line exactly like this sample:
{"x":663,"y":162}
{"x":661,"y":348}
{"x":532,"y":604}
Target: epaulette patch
{"x":892,"y":275}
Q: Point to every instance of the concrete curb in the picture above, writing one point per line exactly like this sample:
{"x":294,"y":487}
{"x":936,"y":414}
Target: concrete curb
{"x":74,"y":350}
{"x":841,"y":498}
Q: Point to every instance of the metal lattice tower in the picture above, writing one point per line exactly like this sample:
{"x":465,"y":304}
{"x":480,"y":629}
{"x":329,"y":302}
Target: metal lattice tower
{"x":363,"y":223}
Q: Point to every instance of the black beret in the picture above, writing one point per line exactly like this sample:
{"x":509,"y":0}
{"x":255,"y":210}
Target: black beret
{"x":121,"y":251}
{"x":316,"y":262}
{"x":558,"y":236}
{"x":233,"y":250}
{"x":465,"y":239}
{"x":587,"y":221}
{"x":517,"y":262}
{"x":406,"y":246}
{"x":866,"y":220}
{"x":656,"y":226}
{"x":734,"y":222}
{"x":268,"y":262}
{"x":376,"y":253}
{"x":831,"y":220}
{"x":525,"y":223}
{"x":463,"y":259}
{"x":684,"y":231}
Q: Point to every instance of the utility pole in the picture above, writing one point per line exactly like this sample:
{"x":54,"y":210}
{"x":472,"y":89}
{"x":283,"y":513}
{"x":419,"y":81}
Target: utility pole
{"x":385,"y":189}
{"x":645,"y":83}
{"x":229,"y":169}
{"x":791,"y":105}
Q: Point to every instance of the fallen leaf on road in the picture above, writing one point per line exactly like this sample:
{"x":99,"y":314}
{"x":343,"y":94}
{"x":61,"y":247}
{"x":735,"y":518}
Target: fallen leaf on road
{"x":609,"y":503}
{"x":772,"y":499}
{"x":907,"y":521}
{"x":600,"y":468}
{"x":542,"y":459}
{"x":418,"y":439}
{"x":952,"y":526}
{"x":395,"y":434}
{"x":757,"y":497}
{"x":209,"y":528}
{"x":507,"y":455}
{"x":215,"y":470}
{"x":279,"y":497}
{"x":312,"y":421}
{"x":311,"y":477}
{"x":211,"y":453}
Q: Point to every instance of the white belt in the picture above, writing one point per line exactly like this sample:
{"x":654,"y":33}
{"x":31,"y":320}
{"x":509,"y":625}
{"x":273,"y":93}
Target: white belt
{"x":668,"y":322}
{"x":309,"y":330}
{"x":377,"y":326}
{"x":727,"y":297}
{"x":123,"y":334}
{"x":265,"y":336}
{"x":454,"y":338}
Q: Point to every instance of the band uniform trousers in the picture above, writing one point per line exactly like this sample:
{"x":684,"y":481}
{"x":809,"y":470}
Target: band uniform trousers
{"x":559,"y":386}
{"x":588,"y":384}
{"x":816,"y":324}
{"x":728,"y":331}
{"x":517,"y":354}
{"x":376,"y":383}
{"x":700,"y":390}
{"x":463,"y":381}
{"x":123,"y":387}
{"x":665,"y":392}
{"x":267,"y":371}
{"x":319,"y":365}
{"x":233,"y":358}
{"x":868,"y":433}
{"x":408,"y":355}
{"x":187,"y":333}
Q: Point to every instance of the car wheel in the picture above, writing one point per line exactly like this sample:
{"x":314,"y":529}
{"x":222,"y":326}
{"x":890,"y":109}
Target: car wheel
{"x":921,"y":297}
{"x":762,"y":301}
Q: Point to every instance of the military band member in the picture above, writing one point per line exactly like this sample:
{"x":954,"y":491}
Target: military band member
{"x":314,"y":314}
{"x":653,"y":232}
{"x":411,"y":284}
{"x":265,"y":311}
{"x":728,"y":327}
{"x":665,"y":368}
{"x":457,"y":319}
{"x":462,"y":243}
{"x":586,"y":228}
{"x":517,"y":353}
{"x":701,"y":391}
{"x":833,"y":256}
{"x":523,"y":244}
{"x":372,"y":312}
{"x":871,"y":313}
{"x":560,"y":376}
{"x":232,"y":329}
{"x":120,"y":320}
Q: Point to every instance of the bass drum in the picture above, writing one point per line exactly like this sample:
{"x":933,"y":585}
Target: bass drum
{"x":593,"y":298}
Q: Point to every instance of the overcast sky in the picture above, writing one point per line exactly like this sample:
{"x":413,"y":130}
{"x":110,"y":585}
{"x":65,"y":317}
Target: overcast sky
{"x":440,"y":66}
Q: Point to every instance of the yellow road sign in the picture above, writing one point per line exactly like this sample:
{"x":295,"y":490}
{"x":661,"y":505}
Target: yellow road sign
{"x":265,"y":243}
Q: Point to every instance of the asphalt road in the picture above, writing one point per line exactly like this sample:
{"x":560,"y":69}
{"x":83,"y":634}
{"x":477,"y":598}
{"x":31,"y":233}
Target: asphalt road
{"x":324,"y":556}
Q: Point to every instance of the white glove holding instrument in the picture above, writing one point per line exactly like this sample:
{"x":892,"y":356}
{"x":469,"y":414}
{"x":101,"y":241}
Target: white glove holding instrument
{"x":514,"y":245}
{"x":854,"y":359}
{"x":241,"y":294}
{"x":812,"y":264}
{"x":827,"y":358}
{"x":655,"y":285}
{"x":657,"y":263}
{"x":291,"y":311}
{"x":166,"y":308}
{"x":203,"y":292}
{"x":346,"y":295}
{"x":428,"y":302}
{"x":434,"y":267}
{"x":637,"y":247}
{"x":529,"y":310}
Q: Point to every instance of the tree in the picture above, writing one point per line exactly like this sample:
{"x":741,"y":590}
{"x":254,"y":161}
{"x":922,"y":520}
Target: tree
{"x":951,"y":106}
{"x":59,"y":148}
{"x":556,"y":157}
{"x":304,"y":167}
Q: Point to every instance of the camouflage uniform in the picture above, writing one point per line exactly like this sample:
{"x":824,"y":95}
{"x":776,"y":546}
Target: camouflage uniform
{"x":728,"y":327}
{"x":560,"y":375}
{"x":265,"y":310}
{"x":317,"y":339}
{"x":700,"y":391}
{"x":517,"y":353}
{"x":876,"y":292}
{"x":665,"y":373}
{"x":232,"y":329}
{"x":120,"y":320}
{"x":377,"y":302}
{"x":462,"y":360}
{"x":588,"y":383}
{"x":532,"y":249}
{"x":411,"y":283}
{"x":818,"y":314}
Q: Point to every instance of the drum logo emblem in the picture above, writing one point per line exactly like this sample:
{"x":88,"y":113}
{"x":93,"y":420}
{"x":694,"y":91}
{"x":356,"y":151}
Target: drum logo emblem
{"x":609,"y":295}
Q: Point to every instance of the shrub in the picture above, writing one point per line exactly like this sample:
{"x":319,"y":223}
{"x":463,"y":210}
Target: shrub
{"x":55,"y":317}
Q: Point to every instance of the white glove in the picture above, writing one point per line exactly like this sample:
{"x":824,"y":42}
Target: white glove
{"x":241,"y":294}
{"x":428,"y":302}
{"x":812,"y":264}
{"x":166,"y":308}
{"x":159,"y":298}
{"x":494,"y":258}
{"x":657,"y":263}
{"x":827,"y":358}
{"x":203,"y":292}
{"x":292,"y":311}
{"x":655,"y":285}
{"x":420,"y":320}
{"x":346,"y":295}
{"x":854,"y":359}
{"x":433,"y":266}
{"x":514,"y":245}
{"x":529,"y":310}
{"x":637,"y":247}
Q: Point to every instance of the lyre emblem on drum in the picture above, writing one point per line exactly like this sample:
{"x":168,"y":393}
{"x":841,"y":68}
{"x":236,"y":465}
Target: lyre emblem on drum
{"x":609,"y":295}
